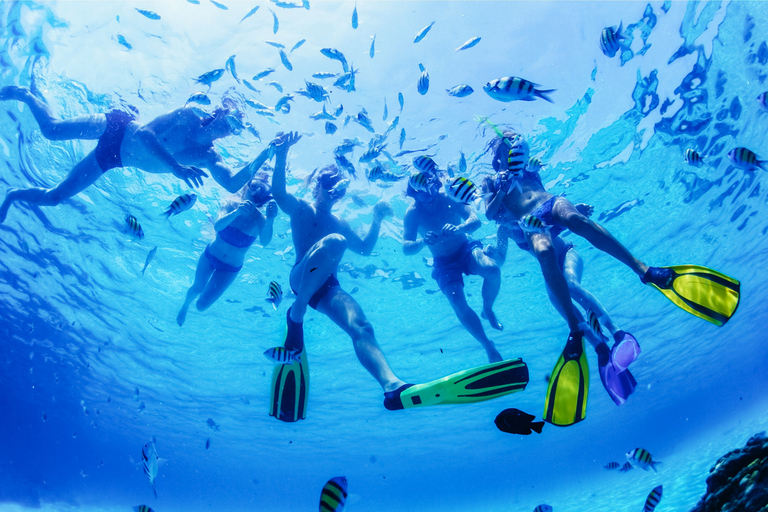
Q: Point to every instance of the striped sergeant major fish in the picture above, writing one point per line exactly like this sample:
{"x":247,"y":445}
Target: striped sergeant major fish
{"x":626,"y":467}
{"x":594,"y":324}
{"x":423,"y":85}
{"x":653,"y":499}
{"x":543,"y":508}
{"x":281,"y":355}
{"x":460,"y":91}
{"x":419,"y":182}
{"x":333,"y":497}
{"x":612,"y":465}
{"x":511,"y":88}
{"x":425,"y":164}
{"x":275,"y":294}
{"x":532,"y":224}
{"x":693,"y":157}
{"x":149,"y":457}
{"x":181,"y":204}
{"x":610,"y":40}
{"x":142,"y":508}
{"x":461,"y":190}
{"x":133,"y":227}
{"x":517,"y":156}
{"x":745,"y":159}
{"x":534,"y":164}
{"x":641,"y":458}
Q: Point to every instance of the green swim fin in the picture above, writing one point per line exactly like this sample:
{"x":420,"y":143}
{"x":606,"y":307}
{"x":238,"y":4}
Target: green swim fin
{"x":566,"y":402}
{"x":468,"y":386}
{"x":701,"y":291}
{"x":290,"y":382}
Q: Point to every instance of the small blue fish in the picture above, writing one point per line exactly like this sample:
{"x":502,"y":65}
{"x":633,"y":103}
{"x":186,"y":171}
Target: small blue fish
{"x":332,"y":53}
{"x":330,"y":128}
{"x":610,"y":40}
{"x":402,"y":137}
{"x":372,"y":51}
{"x":150,"y":463}
{"x":275,"y":44}
{"x":460,"y":91}
{"x":354,"y":17}
{"x":150,"y":255}
{"x":323,"y":114}
{"x":286,"y":5}
{"x":343,"y":163}
{"x":142,"y":508}
{"x":423,"y":32}
{"x":149,"y":14}
{"x":469,"y":44}
{"x":257,"y":105}
{"x":371,"y":153}
{"x":262,"y":74}
{"x":324,"y":75}
{"x":276,"y":22}
{"x":253,"y":131}
{"x":534,"y":164}
{"x":121,"y":40}
{"x":250,"y":86}
{"x":612,"y":465}
{"x":250,"y":13}
{"x":207,"y":443}
{"x":339,"y":110}
{"x":181,"y":204}
{"x":133,"y":227}
{"x":200,"y":98}
{"x":386,"y":114}
{"x":462,"y":163}
{"x":213,"y":425}
{"x":425,"y":164}
{"x":275,"y":294}
{"x":276,"y":86}
{"x":286,"y":62}
{"x":282,"y":103}
{"x":423,"y":84}
{"x":400,"y":100}
{"x":280,"y":355}
{"x":419,"y":181}
{"x":230,"y":65}
{"x":297,"y":45}
{"x":210,"y":77}
{"x":220,"y":6}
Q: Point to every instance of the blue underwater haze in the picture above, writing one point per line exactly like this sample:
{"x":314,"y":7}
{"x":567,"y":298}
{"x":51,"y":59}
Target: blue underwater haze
{"x":93,"y":364}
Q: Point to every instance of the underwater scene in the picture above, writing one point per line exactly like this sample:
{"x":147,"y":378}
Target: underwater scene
{"x":518,"y":244}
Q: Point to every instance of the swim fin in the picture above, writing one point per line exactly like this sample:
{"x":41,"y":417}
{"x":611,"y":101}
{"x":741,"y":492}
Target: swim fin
{"x":290,"y":382}
{"x":465,"y":387}
{"x":618,"y":382}
{"x":566,"y":401}
{"x":701,"y":291}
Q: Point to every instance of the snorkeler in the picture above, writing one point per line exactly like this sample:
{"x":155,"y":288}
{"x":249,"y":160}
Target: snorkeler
{"x":179,"y":142}
{"x":238,"y":226}
{"x":444,"y":226}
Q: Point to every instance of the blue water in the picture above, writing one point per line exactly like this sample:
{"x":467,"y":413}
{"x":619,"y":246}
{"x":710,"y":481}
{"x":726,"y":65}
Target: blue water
{"x":82,"y":329}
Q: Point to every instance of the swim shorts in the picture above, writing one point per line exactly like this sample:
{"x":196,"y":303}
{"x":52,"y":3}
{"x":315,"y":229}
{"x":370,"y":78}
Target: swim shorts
{"x":322,"y":292}
{"x":449,"y":269}
{"x":108,"y":148}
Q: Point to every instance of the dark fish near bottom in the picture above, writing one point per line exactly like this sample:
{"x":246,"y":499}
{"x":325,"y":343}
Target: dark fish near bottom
{"x":515,"y":421}
{"x":330,"y":128}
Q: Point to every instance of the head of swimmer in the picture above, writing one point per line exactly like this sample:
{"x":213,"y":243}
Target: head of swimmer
{"x":330,"y":185}
{"x":226,"y":120}
{"x":499,"y":147}
{"x":258,"y":190}
{"x":428,"y":196}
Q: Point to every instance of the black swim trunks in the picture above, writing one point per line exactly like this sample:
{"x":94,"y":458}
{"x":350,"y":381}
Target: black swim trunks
{"x":320,"y":293}
{"x":108,"y":149}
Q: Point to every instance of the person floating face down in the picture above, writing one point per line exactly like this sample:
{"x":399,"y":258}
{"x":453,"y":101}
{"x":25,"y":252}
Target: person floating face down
{"x":179,"y":142}
{"x":437,"y":222}
{"x":239,"y":224}
{"x":320,"y":239}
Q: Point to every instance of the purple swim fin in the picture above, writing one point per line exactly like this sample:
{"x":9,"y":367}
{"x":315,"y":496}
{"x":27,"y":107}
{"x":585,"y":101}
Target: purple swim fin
{"x":618,"y":384}
{"x":625,"y":350}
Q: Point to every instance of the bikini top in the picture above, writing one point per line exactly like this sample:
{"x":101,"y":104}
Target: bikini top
{"x":235,"y":237}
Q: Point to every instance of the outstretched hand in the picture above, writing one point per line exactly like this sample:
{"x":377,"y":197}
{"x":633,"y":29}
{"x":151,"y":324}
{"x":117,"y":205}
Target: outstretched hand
{"x":189,"y":174}
{"x":285,"y":140}
{"x":381,"y":210}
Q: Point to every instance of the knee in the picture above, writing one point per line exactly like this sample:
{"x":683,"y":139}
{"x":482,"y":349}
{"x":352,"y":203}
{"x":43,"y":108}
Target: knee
{"x":52,"y":197}
{"x":335,"y":244}
{"x":202,"y":304}
{"x":363,"y":330}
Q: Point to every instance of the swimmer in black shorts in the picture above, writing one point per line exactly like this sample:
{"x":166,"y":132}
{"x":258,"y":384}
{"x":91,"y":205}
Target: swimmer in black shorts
{"x":179,"y":142}
{"x":320,"y":239}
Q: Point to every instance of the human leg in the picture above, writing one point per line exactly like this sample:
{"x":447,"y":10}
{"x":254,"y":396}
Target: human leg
{"x":573,"y":267}
{"x":202,"y":275}
{"x":217,"y":285}
{"x":454,"y":291}
{"x":317,"y":265}
{"x":345,"y":312}
{"x":541,"y":244}
{"x":480,"y":264}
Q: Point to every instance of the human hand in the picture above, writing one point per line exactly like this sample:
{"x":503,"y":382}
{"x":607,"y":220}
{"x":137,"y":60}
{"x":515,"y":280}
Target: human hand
{"x":189,"y":174}
{"x":449,"y":229}
{"x":381,"y":210}
{"x":285,"y":140}
{"x":585,"y":209}
{"x":430,"y":238}
{"x":246,"y":208}
{"x":271,"y":210}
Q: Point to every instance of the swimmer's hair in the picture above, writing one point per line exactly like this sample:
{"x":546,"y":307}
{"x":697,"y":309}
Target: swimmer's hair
{"x":499,"y":150}
{"x":328,"y":173}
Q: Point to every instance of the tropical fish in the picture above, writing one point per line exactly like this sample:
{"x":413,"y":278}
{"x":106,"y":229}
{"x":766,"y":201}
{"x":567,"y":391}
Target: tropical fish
{"x":314,"y":91}
{"x":262,"y":74}
{"x":693,"y":157}
{"x":461,"y":190}
{"x":345,"y":164}
{"x":275,"y":294}
{"x":133,"y":227}
{"x":423,"y":32}
{"x":462,"y":163}
{"x":281,"y":355}
{"x":253,"y":131}
{"x":250,"y":13}
{"x":334,"y":495}
{"x":745,"y":159}
{"x":297,"y":45}
{"x":379,"y":173}
{"x":276,"y":22}
{"x":364,"y":120}
{"x":469,"y":44}
{"x":460,"y":91}
{"x":534,"y":164}
{"x":332,"y":53}
{"x":220,"y":6}
{"x":543,"y":508}
{"x":286,"y":62}
{"x":515,"y":421}
{"x":324,"y":75}
{"x":257,"y":105}
{"x":207,"y":443}
{"x":610,"y":40}
{"x":761,"y":100}
{"x":282,"y":103}
{"x":400,"y":100}
{"x":339,"y":109}
{"x":640,"y":458}
{"x":150,"y":255}
{"x":199,"y":98}
{"x":653,"y":499}
{"x":275,"y":44}
{"x":149,"y":457}
{"x":517,"y":157}
{"x":346,"y":146}
{"x":149,"y":14}
{"x":372,"y":51}
{"x":142,"y":508}
{"x":594,"y":323}
{"x":423,"y":85}
{"x":210,"y":77}
{"x":251,"y":87}
{"x":330,"y":128}
{"x":626,"y":467}
{"x":612,"y":465}
{"x":121,"y":40}
{"x":372,"y":153}
{"x":425,"y":164}
{"x":402,"y":137}
{"x":420,"y":181}
{"x":354,"y":16}
{"x":386,"y":113}
{"x":323,"y":114}
{"x":181,"y":204}
{"x":212,"y":425}
{"x":512,"y":88}
{"x":286,"y":5}
{"x":276,"y":86}
{"x":532,"y":224}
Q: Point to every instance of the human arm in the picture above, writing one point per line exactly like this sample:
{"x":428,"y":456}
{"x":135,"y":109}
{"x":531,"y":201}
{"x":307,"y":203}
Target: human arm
{"x":471,"y":223}
{"x":492,"y":209}
{"x":365,"y":245}
{"x":266,"y":231}
{"x":231,"y":211}
{"x":412,"y":244}
{"x":287,"y":202}
{"x":245,"y":174}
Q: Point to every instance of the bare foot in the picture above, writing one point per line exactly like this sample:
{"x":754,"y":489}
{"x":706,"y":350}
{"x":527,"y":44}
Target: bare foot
{"x":491,"y":317}
{"x":13,"y":92}
{"x":181,"y":316}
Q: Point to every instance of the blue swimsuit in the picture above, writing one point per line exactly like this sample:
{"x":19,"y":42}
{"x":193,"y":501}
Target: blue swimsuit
{"x":235,"y":238}
{"x":107,"y":150}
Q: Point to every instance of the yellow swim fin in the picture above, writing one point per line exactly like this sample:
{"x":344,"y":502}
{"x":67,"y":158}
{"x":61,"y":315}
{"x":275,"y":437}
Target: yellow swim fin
{"x":290,"y":382}
{"x":566,"y":401}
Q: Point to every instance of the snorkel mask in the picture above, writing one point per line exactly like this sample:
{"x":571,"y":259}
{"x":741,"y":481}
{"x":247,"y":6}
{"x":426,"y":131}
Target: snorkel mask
{"x":259,"y":192}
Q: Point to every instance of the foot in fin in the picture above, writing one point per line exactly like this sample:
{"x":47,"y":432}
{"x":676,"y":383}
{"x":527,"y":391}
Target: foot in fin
{"x":699,"y":290}
{"x":568,"y":388}
{"x":625,"y":350}
{"x":468,"y":386}
{"x":618,"y":383}
{"x":290,"y":382}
